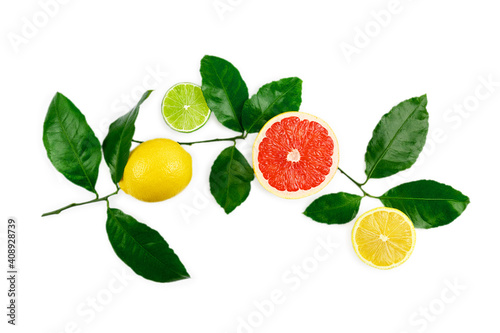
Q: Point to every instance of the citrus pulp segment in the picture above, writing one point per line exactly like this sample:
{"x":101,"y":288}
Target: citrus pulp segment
{"x":383,"y":237}
{"x":184,"y":108}
{"x":295,"y":155}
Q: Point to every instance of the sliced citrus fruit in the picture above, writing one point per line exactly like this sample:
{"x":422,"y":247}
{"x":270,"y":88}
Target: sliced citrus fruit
{"x":295,"y":155}
{"x":383,"y":237}
{"x":184,"y":108}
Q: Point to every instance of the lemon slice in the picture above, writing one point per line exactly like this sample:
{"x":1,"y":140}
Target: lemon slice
{"x":383,"y":237}
{"x":184,"y":108}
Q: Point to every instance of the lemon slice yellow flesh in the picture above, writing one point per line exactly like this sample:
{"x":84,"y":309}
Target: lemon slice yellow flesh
{"x":383,"y":237}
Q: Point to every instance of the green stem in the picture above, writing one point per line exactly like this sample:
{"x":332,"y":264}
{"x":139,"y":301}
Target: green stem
{"x":350,"y":178}
{"x":359,"y":185}
{"x":57,"y":211}
{"x":234,"y":138}
{"x":366,"y":181}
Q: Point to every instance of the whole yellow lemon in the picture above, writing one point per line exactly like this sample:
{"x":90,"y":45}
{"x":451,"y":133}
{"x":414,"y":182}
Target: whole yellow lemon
{"x":157,"y":170}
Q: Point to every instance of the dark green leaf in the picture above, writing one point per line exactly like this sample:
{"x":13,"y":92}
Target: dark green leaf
{"x":335,"y":208}
{"x":116,"y":145}
{"x":230,"y":179}
{"x":224,"y":90}
{"x":271,"y":99}
{"x":143,"y":249}
{"x":427,"y":203}
{"x":71,"y":145}
{"x":398,"y":138}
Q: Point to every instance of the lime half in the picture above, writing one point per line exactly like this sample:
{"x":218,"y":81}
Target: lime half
{"x":184,"y":108}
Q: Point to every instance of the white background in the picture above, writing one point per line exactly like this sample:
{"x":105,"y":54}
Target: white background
{"x":99,"y":52}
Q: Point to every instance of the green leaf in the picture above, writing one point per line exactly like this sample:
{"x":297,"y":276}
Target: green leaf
{"x":116,"y":145}
{"x":271,"y":99}
{"x":398,"y":138}
{"x":143,"y":249}
{"x":224,"y":90}
{"x":335,"y":208}
{"x":427,"y":203}
{"x":230,"y":179}
{"x":71,"y":145}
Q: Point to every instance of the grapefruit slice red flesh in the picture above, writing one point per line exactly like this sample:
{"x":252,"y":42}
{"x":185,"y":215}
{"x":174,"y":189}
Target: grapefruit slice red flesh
{"x":295,"y":155}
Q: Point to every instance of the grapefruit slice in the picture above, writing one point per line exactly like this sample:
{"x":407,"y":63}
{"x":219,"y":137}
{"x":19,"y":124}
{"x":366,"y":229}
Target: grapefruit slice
{"x":295,"y":155}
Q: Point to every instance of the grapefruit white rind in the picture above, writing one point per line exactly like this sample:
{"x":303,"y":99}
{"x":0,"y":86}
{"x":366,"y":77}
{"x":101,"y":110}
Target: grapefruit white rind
{"x":300,"y":193}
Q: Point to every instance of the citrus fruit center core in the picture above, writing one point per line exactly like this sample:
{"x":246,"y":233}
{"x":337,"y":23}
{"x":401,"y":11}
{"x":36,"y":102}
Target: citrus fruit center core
{"x":293,"y":156}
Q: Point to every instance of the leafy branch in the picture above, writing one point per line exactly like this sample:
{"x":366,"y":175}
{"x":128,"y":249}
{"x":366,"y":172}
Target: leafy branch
{"x":226,"y":94}
{"x":57,"y":211}
{"x":396,"y":143}
{"x":74,"y":150}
